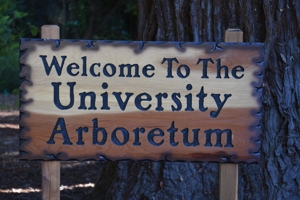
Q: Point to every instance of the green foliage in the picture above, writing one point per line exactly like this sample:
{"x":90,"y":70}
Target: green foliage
{"x":10,"y":33}
{"x":15,"y":91}
{"x":80,"y":19}
{"x":102,"y":20}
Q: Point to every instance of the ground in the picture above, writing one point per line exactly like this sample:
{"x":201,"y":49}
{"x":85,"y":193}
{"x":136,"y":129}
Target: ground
{"x":22,"y":179}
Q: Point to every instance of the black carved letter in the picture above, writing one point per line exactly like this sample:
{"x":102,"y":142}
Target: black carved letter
{"x":60,"y":122}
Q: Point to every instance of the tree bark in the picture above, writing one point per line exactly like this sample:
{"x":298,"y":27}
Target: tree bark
{"x":280,"y":147}
{"x":275,"y":22}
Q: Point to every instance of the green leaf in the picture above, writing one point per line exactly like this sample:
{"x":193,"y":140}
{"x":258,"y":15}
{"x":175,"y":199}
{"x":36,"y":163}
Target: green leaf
{"x":33,"y":30}
{"x":19,"y":15}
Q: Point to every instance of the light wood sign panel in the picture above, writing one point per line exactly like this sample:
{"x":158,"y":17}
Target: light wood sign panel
{"x":140,"y":100}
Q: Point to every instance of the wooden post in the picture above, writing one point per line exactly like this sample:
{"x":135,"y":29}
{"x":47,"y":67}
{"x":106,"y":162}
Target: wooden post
{"x":229,"y":172}
{"x":50,"y":169}
{"x":51,"y":180}
{"x":233,"y":35}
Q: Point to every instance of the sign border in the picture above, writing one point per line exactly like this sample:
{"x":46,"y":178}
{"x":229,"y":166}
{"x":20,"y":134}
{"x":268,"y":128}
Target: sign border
{"x":257,"y":92}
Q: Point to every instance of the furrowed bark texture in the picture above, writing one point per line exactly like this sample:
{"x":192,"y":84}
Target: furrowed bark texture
{"x":280,"y":147}
{"x":275,"y":22}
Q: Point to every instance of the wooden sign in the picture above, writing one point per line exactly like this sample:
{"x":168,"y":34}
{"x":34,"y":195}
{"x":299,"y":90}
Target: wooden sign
{"x":140,"y":100}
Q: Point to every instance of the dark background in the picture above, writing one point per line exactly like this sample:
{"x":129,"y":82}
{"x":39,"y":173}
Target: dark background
{"x":77,"y":19}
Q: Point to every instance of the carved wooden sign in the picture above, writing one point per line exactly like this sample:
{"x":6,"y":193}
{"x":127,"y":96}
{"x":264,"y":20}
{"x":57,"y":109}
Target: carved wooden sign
{"x":140,"y":100}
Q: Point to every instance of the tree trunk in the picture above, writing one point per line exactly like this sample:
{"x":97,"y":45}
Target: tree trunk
{"x":280,"y":149}
{"x":275,"y":22}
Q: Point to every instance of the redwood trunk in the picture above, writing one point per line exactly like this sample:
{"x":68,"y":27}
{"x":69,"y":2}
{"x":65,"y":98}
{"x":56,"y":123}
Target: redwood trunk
{"x":274,"y":22}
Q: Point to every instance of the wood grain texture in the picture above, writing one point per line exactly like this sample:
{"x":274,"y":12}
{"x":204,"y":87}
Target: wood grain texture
{"x":240,"y":113}
{"x":50,"y":32}
{"x":233,"y":35}
{"x":50,"y":169}
{"x":228,"y":173}
{"x":228,"y":181}
{"x":50,"y":180}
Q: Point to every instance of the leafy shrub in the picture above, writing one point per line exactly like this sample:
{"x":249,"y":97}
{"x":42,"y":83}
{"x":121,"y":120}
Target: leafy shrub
{"x":11,"y":29}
